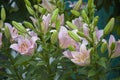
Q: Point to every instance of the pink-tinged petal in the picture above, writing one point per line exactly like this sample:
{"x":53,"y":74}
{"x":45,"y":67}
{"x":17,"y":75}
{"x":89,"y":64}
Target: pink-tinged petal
{"x":117,"y":50}
{"x":0,"y":40}
{"x":68,"y":54}
{"x":83,"y":49}
{"x":15,"y":47}
{"x":111,"y":40}
{"x":99,"y":34}
{"x":78,"y":22}
{"x":85,"y":29}
{"x":61,"y":19}
{"x":8,"y":25}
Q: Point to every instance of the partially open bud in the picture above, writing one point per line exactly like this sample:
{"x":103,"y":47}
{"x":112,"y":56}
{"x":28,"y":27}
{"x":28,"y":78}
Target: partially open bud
{"x":7,"y":33}
{"x":28,"y":25}
{"x":74,"y":36}
{"x":30,"y":10}
{"x":55,"y":15}
{"x":19,"y":27}
{"x":3,"y":14}
{"x":77,"y":6}
{"x":54,"y":37}
{"x":72,"y":26}
{"x":108,"y":28}
{"x":40,"y":9}
{"x":104,"y":47}
{"x":76,"y":13}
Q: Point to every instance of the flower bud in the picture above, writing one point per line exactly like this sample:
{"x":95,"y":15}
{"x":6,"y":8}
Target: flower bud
{"x":28,"y":25}
{"x":30,"y":10}
{"x":74,"y":36}
{"x":27,"y":2}
{"x":7,"y":32}
{"x":103,"y":47}
{"x":84,"y":16}
{"x":1,"y":24}
{"x":81,"y":34}
{"x":76,"y":13}
{"x":3,"y":14}
{"x":108,"y":28}
{"x":112,"y":46}
{"x":40,"y":9}
{"x":71,"y":48}
{"x":54,"y":15}
{"x":54,"y":37}
{"x":77,"y":6}
{"x":72,"y":26}
{"x":95,"y":21}
{"x":19,"y":27}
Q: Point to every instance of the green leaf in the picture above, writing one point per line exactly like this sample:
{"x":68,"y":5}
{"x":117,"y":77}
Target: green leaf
{"x":91,"y":73}
{"x":102,"y":62}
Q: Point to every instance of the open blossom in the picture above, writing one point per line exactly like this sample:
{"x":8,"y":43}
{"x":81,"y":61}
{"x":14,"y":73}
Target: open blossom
{"x":81,"y":57}
{"x":0,"y":40}
{"x":25,"y":46}
{"x":64,"y":39}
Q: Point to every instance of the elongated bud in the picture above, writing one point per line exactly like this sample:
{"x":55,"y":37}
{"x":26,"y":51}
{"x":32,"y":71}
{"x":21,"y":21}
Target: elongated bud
{"x":74,"y":36}
{"x":112,"y":46}
{"x":84,"y":16}
{"x":71,"y":48}
{"x":57,"y":24}
{"x":28,"y":25}
{"x":40,"y":9}
{"x":54,"y":37}
{"x":76,"y":13}
{"x":27,"y":2}
{"x":7,"y":32}
{"x":90,"y":4}
{"x":95,"y":21}
{"x":19,"y":27}
{"x":81,"y":34}
{"x":30,"y":10}
{"x":1,"y":24}
{"x":54,"y":15}
{"x":108,"y":28}
{"x":103,"y":47}
{"x":3,"y":14}
{"x":71,"y":25}
{"x":78,"y":4}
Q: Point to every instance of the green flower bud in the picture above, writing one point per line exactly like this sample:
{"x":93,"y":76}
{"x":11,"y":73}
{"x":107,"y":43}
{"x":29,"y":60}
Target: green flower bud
{"x":7,"y":32}
{"x":1,"y":24}
{"x":3,"y":14}
{"x":76,"y":13}
{"x":81,"y":34}
{"x":71,"y":48}
{"x":40,"y":9}
{"x":77,"y":6}
{"x":112,"y":46}
{"x":108,"y":28}
{"x":72,"y":26}
{"x":28,"y":25}
{"x":19,"y":27}
{"x":27,"y":2}
{"x":55,"y":15}
{"x":84,"y":16}
{"x":30,"y":10}
{"x":57,"y":24}
{"x":54,"y":37}
{"x":90,"y":4}
{"x":74,"y":36}
{"x":95,"y":21}
{"x":103,"y":47}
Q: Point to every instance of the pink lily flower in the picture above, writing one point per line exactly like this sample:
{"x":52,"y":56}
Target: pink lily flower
{"x":25,"y":46}
{"x":64,"y":39}
{"x":81,"y":57}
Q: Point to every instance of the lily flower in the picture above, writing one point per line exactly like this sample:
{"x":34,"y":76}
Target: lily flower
{"x":81,"y":57}
{"x":64,"y":39}
{"x":25,"y":46}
